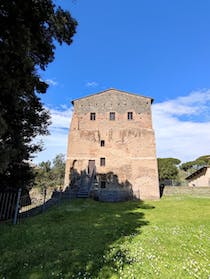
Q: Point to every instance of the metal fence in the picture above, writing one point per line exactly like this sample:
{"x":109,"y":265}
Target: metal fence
{"x":9,"y":206}
{"x":15,"y":206}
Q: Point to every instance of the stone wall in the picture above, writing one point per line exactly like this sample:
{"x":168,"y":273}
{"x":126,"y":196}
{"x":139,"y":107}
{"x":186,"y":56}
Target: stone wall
{"x":129,"y":145}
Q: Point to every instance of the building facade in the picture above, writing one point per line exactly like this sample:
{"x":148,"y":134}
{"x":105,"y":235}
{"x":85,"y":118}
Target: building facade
{"x":199,"y":178}
{"x":111,"y":138}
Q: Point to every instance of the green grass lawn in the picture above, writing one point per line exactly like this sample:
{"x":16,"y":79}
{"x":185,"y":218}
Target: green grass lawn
{"x":169,"y":238}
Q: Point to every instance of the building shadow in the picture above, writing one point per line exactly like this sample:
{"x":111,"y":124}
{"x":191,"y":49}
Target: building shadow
{"x":81,"y":239}
{"x":162,"y":186}
{"x":100,"y":186}
{"x":103,"y":187}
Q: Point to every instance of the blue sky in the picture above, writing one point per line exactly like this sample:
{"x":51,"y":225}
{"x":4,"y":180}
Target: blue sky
{"x":154,"y":48}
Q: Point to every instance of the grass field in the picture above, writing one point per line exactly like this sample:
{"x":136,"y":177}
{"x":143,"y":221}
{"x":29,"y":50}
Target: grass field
{"x":169,"y":238}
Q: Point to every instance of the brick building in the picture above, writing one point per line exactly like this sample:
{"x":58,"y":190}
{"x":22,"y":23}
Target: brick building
{"x":199,"y":178}
{"x":111,"y":146}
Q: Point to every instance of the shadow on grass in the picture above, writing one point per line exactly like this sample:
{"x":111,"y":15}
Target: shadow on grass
{"x":80,"y":239}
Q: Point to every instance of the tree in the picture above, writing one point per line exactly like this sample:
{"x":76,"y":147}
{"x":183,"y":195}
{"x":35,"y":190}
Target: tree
{"x":28,"y":33}
{"x":167,"y":168}
{"x":48,"y":175}
{"x":198,"y":163}
{"x":43,"y":175}
{"x":58,"y":170}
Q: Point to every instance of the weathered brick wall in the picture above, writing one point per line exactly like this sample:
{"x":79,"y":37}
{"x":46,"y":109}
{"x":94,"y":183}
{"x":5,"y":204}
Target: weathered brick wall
{"x":112,"y":100}
{"x":129,"y":149}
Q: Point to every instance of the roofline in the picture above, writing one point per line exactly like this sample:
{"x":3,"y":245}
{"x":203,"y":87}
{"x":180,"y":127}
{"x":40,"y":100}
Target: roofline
{"x":196,"y":172}
{"x":111,"y":89}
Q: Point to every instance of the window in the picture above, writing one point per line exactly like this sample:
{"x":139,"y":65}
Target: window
{"x":103,"y":184}
{"x":102,"y":143}
{"x":102,"y":162}
{"x":103,"y":180}
{"x":112,"y":116}
{"x":130,"y":115}
{"x":92,"y":116}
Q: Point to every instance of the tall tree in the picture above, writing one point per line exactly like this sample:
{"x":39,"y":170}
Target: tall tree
{"x":167,"y":168}
{"x":28,"y":33}
{"x":58,"y":169}
{"x":198,"y":163}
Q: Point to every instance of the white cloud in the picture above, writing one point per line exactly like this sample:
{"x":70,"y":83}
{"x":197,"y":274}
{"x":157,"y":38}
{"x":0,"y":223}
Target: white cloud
{"x":60,"y":118}
{"x":184,"y":139}
{"x":193,"y":104}
{"x":56,"y":142}
{"x":91,"y":84}
{"x":51,"y":82}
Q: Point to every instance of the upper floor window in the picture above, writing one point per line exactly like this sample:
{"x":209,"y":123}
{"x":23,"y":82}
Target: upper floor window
{"x":102,"y":162}
{"x":102,"y":143}
{"x":92,"y":116}
{"x":130,"y":115}
{"x":112,"y":116}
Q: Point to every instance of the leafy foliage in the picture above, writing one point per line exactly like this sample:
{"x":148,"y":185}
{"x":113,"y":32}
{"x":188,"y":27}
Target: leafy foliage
{"x":167,"y":168}
{"x":191,"y":166}
{"x":28,"y":33}
{"x":50,"y":175}
{"x":58,"y":169}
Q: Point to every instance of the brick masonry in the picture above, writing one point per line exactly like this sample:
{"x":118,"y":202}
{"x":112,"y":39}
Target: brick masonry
{"x":129,"y":145}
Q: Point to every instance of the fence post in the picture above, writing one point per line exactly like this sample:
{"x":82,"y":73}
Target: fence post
{"x":17,"y":207}
{"x":60,"y":194}
{"x":44,"y":201}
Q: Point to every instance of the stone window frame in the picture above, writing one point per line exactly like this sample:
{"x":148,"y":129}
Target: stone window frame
{"x":112,"y":116}
{"x":102,"y":161}
{"x":92,"y":116}
{"x":130,"y":115}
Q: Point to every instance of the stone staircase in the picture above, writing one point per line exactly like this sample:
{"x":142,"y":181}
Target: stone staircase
{"x":85,"y":186}
{"x":83,"y":193}
{"x":82,"y":190}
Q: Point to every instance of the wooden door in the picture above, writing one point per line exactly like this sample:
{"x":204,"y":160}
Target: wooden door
{"x":91,"y":167}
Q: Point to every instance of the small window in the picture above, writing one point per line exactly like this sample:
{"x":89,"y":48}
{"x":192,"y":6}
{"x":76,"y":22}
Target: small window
{"x":102,"y":162}
{"x":102,"y":143}
{"x":103,"y":180}
{"x":103,"y":184}
{"x":112,"y":116}
{"x":130,"y":115}
{"x":92,"y":116}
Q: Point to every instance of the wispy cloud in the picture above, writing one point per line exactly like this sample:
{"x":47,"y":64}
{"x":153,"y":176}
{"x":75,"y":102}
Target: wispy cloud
{"x":196,"y":103}
{"x":60,"y":118}
{"x":91,"y":84}
{"x":185,"y":139}
{"x":51,"y":82}
{"x":56,"y":142}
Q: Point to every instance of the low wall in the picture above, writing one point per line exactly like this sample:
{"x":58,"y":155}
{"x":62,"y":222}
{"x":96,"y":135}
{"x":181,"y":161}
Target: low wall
{"x":112,"y":195}
{"x":186,"y":190}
